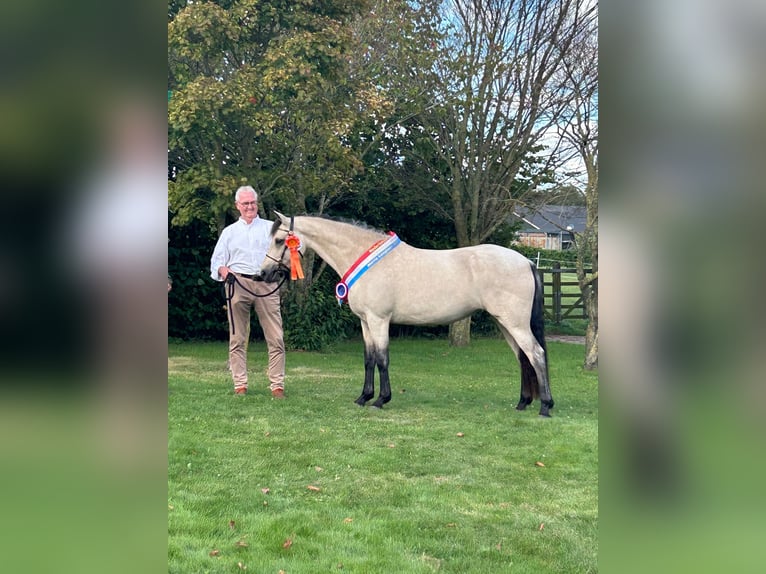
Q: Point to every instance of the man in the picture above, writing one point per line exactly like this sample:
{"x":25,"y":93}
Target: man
{"x":239,"y":251}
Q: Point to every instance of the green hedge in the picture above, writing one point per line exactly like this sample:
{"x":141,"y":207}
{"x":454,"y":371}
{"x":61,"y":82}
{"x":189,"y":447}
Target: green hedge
{"x":195,"y":304}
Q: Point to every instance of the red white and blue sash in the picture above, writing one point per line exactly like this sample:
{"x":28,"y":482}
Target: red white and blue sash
{"x":367,"y":260}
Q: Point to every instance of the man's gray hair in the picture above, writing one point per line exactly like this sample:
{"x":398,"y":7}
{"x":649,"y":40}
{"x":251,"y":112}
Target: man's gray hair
{"x":238,"y":194}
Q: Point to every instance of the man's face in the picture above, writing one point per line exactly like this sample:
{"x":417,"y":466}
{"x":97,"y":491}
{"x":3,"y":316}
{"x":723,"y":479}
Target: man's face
{"x":247,"y":205}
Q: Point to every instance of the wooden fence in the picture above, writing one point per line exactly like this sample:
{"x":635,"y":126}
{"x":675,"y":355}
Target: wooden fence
{"x":563,"y":298}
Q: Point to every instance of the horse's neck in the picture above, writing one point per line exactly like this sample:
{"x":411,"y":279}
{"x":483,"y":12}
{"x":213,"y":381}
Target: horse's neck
{"x":339,"y":244}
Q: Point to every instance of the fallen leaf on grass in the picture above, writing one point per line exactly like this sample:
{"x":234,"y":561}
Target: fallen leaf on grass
{"x":313,"y":488}
{"x":241,"y":566}
{"x":231,"y":524}
{"x":265,"y":490}
{"x":542,"y":525}
{"x":241,"y":544}
{"x":348,"y":520}
{"x":287,"y":543}
{"x":214,"y":552}
{"x":318,"y":468}
{"x":538,"y":463}
{"x":391,"y":445}
{"x":461,"y":434}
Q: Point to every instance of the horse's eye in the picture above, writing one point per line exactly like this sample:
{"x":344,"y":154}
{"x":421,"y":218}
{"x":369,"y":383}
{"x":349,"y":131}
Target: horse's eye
{"x":279,"y":241}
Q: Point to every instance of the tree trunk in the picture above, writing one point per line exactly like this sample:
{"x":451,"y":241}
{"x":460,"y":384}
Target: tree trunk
{"x":591,"y":332}
{"x":589,"y":287}
{"x":460,"y":333}
{"x":591,"y":349}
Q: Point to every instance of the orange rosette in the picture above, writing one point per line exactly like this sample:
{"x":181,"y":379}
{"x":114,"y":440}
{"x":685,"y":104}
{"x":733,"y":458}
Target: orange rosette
{"x":293,"y":244}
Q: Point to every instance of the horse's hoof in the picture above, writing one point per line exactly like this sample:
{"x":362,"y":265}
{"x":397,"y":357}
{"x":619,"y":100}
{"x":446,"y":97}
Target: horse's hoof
{"x":521,"y":406}
{"x":545,"y":408}
{"x":545,"y":416}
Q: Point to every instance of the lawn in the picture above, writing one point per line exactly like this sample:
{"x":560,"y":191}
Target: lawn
{"x":448,"y":477}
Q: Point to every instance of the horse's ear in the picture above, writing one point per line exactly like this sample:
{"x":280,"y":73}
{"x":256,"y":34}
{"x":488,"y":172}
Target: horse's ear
{"x":280,"y":216}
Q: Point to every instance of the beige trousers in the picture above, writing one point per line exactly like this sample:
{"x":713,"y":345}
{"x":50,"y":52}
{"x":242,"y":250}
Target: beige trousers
{"x":270,"y":318}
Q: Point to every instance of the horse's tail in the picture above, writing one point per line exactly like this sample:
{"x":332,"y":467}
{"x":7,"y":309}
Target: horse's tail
{"x":529,"y":383}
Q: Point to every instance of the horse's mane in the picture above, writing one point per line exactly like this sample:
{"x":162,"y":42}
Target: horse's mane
{"x":354,"y":222}
{"x":345,"y":220}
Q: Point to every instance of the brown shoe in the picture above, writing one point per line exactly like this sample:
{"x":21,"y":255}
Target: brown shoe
{"x":278,"y":393}
{"x":240,"y":391}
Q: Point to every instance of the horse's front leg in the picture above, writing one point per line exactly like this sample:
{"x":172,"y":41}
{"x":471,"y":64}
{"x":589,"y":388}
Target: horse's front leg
{"x":368,"y":391}
{"x":385,"y":385}
{"x":375,"y":333}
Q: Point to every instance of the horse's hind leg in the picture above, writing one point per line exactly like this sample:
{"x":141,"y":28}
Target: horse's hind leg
{"x":528,"y":387}
{"x":534,"y":368}
{"x":536,"y":356}
{"x":528,"y":382}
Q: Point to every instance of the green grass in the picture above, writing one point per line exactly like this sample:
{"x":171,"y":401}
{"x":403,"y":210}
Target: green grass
{"x":398,"y":490}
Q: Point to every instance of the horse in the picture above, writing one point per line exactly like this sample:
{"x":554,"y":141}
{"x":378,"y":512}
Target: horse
{"x":411,"y":286}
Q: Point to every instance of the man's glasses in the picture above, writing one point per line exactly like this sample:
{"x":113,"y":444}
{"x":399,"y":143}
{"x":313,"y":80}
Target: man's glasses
{"x":247,"y":203}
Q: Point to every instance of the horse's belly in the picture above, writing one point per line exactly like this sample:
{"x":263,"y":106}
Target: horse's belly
{"x":432,"y":310}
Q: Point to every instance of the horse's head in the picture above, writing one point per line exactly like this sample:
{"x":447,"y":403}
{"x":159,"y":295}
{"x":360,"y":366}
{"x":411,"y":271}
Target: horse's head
{"x":277,"y":260}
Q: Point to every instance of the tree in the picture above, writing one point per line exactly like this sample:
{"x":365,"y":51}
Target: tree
{"x":497,"y":96}
{"x":581,"y":135}
{"x":260,"y":94}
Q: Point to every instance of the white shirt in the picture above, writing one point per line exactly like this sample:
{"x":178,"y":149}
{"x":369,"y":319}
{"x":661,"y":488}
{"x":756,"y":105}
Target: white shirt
{"x":241,"y":247}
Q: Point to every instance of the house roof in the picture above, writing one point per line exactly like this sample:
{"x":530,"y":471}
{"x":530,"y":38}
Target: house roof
{"x":552,"y":218}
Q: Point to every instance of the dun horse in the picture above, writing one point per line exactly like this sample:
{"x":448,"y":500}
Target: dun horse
{"x":385,"y":281}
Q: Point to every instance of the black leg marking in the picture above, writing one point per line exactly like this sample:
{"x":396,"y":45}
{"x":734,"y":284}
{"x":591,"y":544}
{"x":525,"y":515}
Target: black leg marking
{"x":385,"y":383}
{"x":368,"y":391}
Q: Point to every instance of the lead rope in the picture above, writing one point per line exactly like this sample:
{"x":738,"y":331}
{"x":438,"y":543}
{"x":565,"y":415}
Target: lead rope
{"x":231,"y":279}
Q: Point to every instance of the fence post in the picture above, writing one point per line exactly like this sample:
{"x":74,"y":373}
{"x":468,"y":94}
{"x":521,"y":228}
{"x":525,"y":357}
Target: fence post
{"x":556,"y":295}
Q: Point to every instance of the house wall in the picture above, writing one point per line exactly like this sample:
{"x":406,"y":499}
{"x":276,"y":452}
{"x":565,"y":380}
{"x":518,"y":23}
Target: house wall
{"x":540,"y":240}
